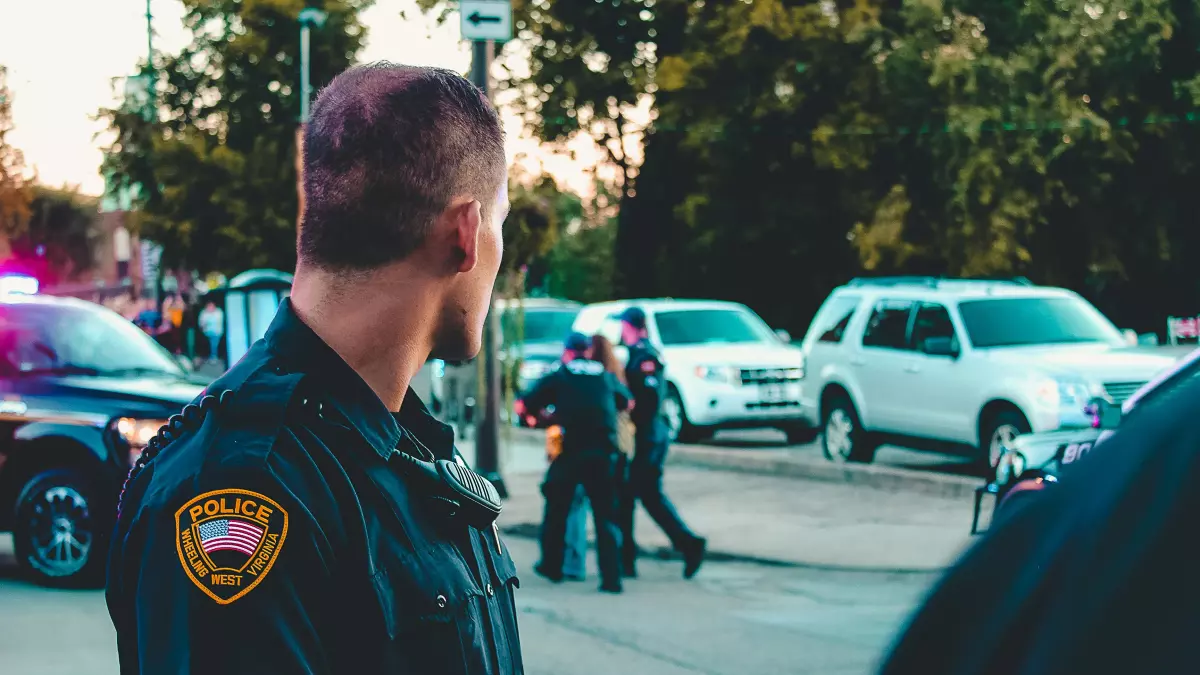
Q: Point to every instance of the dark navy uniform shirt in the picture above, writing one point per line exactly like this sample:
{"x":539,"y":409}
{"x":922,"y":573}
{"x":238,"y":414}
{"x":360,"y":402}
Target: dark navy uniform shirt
{"x":644,"y":373}
{"x":274,"y":532}
{"x":586,"y":400}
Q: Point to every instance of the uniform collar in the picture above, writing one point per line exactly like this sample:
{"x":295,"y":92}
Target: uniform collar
{"x":302,"y":350}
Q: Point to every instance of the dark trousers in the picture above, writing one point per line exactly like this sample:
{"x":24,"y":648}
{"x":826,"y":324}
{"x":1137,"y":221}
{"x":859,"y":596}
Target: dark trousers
{"x":598,"y":474}
{"x":644,"y":483}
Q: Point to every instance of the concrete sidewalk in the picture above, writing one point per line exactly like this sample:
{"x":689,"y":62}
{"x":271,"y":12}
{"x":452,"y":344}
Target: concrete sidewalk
{"x":777,"y":519}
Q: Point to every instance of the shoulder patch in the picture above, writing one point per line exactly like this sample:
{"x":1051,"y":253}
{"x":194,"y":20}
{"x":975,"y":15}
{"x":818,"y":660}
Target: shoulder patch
{"x":649,"y":366}
{"x":228,"y":540}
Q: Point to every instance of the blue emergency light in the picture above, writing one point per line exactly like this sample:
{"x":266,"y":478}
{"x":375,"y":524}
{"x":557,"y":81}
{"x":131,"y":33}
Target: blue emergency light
{"x":18,"y":284}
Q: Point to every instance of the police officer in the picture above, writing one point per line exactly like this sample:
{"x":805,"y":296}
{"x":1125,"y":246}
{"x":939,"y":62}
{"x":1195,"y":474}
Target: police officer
{"x":288,"y":521}
{"x":586,"y":399}
{"x":644,"y":373}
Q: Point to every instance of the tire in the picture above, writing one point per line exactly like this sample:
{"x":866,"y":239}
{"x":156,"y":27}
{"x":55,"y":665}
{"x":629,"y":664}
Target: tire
{"x":800,"y":434}
{"x":1006,"y":423}
{"x":679,"y":429}
{"x":842,"y":437}
{"x":61,"y":529}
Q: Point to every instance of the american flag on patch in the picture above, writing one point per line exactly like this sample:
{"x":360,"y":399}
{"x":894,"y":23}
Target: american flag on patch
{"x":230,"y":535}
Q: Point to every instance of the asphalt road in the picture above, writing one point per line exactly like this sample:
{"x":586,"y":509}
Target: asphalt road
{"x":733,"y":619}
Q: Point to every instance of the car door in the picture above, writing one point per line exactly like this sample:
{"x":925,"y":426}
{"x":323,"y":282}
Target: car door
{"x":878,"y":366}
{"x":945,"y":398}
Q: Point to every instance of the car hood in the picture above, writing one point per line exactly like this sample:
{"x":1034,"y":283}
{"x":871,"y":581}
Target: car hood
{"x":541,"y":351}
{"x":751,"y":355}
{"x":170,"y":391}
{"x":1093,"y":362}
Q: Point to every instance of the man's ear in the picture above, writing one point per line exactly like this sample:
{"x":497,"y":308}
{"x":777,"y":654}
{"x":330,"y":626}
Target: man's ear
{"x":464,"y":220}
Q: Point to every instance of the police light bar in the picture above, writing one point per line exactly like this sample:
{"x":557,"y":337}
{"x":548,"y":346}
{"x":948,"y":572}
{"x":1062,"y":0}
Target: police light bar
{"x":18,"y":284}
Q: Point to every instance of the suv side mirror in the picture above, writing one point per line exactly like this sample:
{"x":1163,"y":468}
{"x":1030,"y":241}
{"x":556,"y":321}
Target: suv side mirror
{"x":940,"y":346}
{"x":784,"y":335}
{"x":1104,"y":413}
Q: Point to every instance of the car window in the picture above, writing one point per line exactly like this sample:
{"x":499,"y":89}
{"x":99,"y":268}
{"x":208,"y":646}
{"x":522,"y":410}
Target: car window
{"x":539,"y":325}
{"x":834,"y":317}
{"x":38,"y":337}
{"x":1014,"y":322}
{"x":888,"y":325}
{"x":711,"y":326}
{"x":932,"y":321}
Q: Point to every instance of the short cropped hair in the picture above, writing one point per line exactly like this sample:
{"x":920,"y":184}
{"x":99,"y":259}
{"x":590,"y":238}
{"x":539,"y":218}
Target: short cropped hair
{"x":385,"y":150}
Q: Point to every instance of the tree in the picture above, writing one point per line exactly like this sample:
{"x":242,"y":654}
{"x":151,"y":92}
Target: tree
{"x":217,"y":166}
{"x":60,"y":236}
{"x":14,"y":187}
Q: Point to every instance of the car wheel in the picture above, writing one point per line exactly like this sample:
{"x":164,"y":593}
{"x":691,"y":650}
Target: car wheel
{"x":678,"y":428}
{"x":61,"y":529}
{"x":842,"y":437}
{"x":999,"y":432}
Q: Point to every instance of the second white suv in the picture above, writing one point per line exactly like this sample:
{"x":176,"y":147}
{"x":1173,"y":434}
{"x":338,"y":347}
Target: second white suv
{"x":953,"y":365}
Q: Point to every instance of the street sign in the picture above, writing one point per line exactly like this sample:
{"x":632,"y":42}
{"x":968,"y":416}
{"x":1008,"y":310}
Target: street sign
{"x":486,"y":19}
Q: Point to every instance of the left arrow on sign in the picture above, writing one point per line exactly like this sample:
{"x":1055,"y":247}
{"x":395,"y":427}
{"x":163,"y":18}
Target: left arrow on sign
{"x":477,"y":18}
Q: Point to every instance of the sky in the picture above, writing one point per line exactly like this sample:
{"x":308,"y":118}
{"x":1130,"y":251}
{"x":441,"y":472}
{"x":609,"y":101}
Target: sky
{"x":60,"y":77}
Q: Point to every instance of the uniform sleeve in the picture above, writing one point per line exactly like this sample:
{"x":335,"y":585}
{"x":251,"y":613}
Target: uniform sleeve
{"x":541,"y":395}
{"x":231,"y":576}
{"x":645,"y":379}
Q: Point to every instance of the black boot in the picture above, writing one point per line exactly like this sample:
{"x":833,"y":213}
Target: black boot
{"x":693,"y":556}
{"x":542,"y":571}
{"x":629,"y":565}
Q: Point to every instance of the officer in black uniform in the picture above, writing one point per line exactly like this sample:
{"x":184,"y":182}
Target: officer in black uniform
{"x":644,"y":373}
{"x":586,"y":399}
{"x":307,"y":514}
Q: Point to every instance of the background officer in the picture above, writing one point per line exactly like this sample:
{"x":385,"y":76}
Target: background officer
{"x":288,"y":523}
{"x":586,"y":399}
{"x":644,"y":373}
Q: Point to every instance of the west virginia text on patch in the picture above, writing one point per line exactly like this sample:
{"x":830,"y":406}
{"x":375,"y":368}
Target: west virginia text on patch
{"x":228,"y":540}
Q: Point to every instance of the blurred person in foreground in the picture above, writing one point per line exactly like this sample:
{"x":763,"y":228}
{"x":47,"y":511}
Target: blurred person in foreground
{"x":586,"y":399}
{"x":644,"y":373}
{"x":302,"y":518}
{"x":1095,"y":574}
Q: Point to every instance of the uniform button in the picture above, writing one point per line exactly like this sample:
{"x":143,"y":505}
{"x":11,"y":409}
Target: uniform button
{"x":490,"y":591}
{"x":441,"y":601}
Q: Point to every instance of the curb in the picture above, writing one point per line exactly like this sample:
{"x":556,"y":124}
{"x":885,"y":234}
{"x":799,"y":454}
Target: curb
{"x":532,"y":530}
{"x":778,"y":463}
{"x":785,"y":463}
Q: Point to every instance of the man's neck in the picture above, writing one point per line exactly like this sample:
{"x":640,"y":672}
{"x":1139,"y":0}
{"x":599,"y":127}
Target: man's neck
{"x":382,"y":327}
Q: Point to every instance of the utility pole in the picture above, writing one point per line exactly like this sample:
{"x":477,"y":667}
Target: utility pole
{"x":487,"y":434}
{"x":310,"y":17}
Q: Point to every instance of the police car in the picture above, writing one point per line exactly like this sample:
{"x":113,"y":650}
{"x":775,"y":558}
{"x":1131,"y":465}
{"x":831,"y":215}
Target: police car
{"x":1032,"y":462}
{"x":82,"y":390}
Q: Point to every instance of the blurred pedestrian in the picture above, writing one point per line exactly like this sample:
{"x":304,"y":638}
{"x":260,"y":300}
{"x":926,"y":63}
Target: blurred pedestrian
{"x":644,"y":373}
{"x":586,"y":399}
{"x":212,"y":324}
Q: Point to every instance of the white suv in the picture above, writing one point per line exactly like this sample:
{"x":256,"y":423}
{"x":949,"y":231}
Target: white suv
{"x":945,"y":364}
{"x":725,"y":367}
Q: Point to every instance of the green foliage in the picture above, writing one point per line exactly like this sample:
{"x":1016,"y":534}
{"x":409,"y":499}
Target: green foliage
{"x":14,"y":188}
{"x":60,"y":223}
{"x":216,"y":169}
{"x":580,"y":266}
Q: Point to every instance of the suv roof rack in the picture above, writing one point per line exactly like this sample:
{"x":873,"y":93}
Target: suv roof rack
{"x":934,"y":282}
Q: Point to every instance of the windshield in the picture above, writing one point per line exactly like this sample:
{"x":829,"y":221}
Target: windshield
{"x":711,"y":326}
{"x":1012,"y":322}
{"x":541,"y":325}
{"x":76,"y":340}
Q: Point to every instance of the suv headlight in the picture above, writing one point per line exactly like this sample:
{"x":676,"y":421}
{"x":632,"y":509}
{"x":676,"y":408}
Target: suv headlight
{"x":1072,"y":393}
{"x":723,"y":374}
{"x":137,"y":433}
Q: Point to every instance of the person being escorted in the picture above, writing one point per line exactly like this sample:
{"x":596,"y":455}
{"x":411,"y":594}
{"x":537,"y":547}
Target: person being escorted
{"x":644,"y":373}
{"x":586,"y":399}
{"x":307,"y":514}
